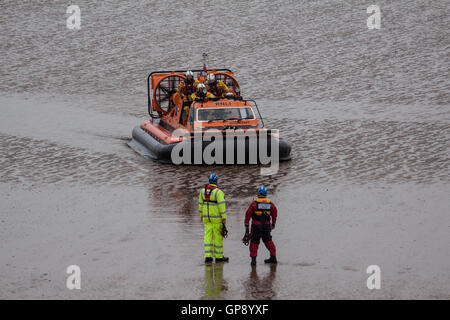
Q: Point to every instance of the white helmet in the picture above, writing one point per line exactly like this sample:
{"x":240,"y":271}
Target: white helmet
{"x":189,"y":74}
{"x":201,"y":89}
{"x":211,"y":78}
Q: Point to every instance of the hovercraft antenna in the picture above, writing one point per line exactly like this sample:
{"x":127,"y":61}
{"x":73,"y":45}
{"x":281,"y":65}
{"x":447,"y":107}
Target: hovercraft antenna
{"x":205,"y":58}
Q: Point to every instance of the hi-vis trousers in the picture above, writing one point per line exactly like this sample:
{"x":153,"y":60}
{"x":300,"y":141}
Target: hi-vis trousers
{"x":213,"y":240}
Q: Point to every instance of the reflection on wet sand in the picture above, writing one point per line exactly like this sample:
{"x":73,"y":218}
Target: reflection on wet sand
{"x":175,"y":189}
{"x":215,"y":285}
{"x":261,"y":288}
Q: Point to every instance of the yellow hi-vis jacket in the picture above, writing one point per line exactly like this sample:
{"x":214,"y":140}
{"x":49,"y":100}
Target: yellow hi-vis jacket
{"x":208,"y":95}
{"x":214,"y":210}
{"x":180,"y":90}
{"x":222,"y":86}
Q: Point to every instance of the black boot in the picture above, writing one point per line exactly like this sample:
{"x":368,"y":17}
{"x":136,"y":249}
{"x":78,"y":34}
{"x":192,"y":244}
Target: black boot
{"x":224,"y":259}
{"x":253,"y":263}
{"x":272,"y":259}
{"x":208,"y":260}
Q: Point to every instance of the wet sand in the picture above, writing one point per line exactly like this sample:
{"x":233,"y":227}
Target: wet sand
{"x":130,"y":246}
{"x":133,"y":228}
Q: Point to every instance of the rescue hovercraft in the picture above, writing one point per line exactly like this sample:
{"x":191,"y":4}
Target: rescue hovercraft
{"x":225,"y":130}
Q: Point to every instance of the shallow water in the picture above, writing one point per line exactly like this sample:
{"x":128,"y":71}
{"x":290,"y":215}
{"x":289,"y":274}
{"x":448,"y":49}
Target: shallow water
{"x":366,"y":111}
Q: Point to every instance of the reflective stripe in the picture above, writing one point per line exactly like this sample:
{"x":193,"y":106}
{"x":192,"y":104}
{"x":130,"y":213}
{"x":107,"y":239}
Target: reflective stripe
{"x":206,"y":216}
{"x":223,"y":212}
{"x":210,"y":251}
{"x":218,"y":252}
{"x":213,"y":197}
{"x":220,"y":202}
{"x":203,"y":195}
{"x":210,"y":204}
{"x":218,"y":246}
{"x":260,"y":222}
{"x":208,"y":245}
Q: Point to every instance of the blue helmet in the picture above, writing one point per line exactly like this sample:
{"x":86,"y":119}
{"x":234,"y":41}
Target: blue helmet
{"x":262,"y":191}
{"x":213,"y":178}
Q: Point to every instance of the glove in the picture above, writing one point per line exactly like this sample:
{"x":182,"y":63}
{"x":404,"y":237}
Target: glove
{"x":246,"y":238}
{"x":224,"y":231}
